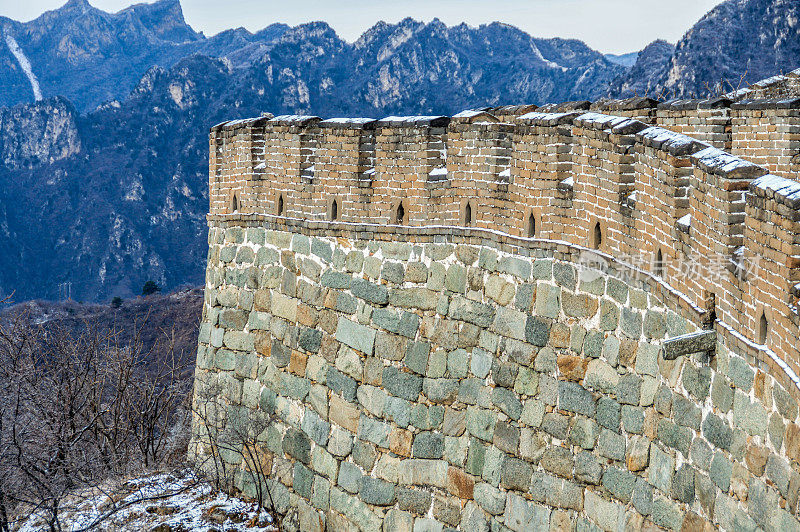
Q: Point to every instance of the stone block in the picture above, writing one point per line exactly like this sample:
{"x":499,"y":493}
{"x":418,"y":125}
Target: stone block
{"x":600,"y":376}
{"x":662,"y":467}
{"x":401,"y":384}
{"x":414,"y":501}
{"x":376,"y":491}
{"x":420,"y":472}
{"x":611,"y":445}
{"x":359,"y":337}
{"x":573,"y":397}
{"x":619,"y":482}
{"x":558,"y":461}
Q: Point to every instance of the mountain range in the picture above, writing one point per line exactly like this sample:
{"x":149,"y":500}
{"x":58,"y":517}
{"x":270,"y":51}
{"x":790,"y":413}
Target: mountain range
{"x":104,"y":116}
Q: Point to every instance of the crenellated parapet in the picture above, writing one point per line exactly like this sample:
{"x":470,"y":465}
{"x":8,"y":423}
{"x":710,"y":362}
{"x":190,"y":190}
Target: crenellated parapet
{"x":712,"y":226}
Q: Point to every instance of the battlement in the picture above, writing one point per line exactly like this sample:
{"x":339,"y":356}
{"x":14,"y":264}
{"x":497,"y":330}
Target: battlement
{"x":721,"y":228}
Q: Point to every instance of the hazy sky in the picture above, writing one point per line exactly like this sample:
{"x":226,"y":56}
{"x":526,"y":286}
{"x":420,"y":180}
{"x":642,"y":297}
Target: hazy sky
{"x":611,"y":26}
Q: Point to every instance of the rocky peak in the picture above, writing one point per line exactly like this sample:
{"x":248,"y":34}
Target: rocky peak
{"x":165,"y":20}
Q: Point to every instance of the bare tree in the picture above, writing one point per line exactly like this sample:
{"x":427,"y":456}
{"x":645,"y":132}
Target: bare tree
{"x":229,"y":439}
{"x":79,"y":409}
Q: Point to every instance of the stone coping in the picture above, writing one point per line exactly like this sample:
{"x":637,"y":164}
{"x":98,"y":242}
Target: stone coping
{"x":677,"y":301}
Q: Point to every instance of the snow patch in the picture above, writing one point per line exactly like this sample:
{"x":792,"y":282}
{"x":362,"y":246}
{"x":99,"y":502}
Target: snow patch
{"x":685,"y":222}
{"x":551,"y":64}
{"x":25,"y":65}
{"x":438,"y":174}
{"x":181,"y":503}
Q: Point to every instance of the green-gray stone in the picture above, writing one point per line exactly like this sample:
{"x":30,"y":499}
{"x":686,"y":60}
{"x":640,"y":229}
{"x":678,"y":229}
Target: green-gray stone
{"x":403,"y":323}
{"x":303,"y":480}
{"x":740,"y":373}
{"x":633,"y":419}
{"x":480,"y":363}
{"x":374,"y":431}
{"x":400,"y":384}
{"x":654,"y":325}
{"x":376,"y":491}
{"x":573,"y":397}
{"x":609,"y":315}
{"x":565,"y":275}
{"x":398,"y":410}
{"x":675,"y":436}
{"x":587,"y":468}
{"x":393,"y":272}
{"x":697,"y":380}
{"x":619,"y":483}
{"x":667,"y":514}
{"x":317,"y":428}
{"x":476,"y":457}
{"x":340,"y":383}
{"x":515,"y":474}
{"x":441,"y":391}
{"x":548,"y":300}
{"x":524,"y":298}
{"x":786,"y":404}
{"x":473,"y":312}
{"x":359,"y":337}
{"x":537,"y":331}
{"x":420,"y":298}
{"x":297,"y":445}
{"x":309,"y":339}
{"x":749,"y":416}
{"x":683,"y":484}
{"x":717,"y":432}
{"x":629,"y":389}
{"x":776,"y":429}
{"x":556,"y":425}
{"x":515,"y":266}
{"x":611,"y":445}
{"x":427,"y":417}
{"x":321,"y":249}
{"x":642,"y":497}
{"x":507,"y":401}
{"x":428,"y":445}
{"x":721,"y":393}
{"x":481,"y":423}
{"x":593,"y":344}
{"x":631,"y":323}
{"x":416,"y":357}
{"x":370,"y":292}
{"x":349,"y":477}
{"x":662,"y":466}
{"x":543,"y":269}
{"x":457,"y":363}
{"x":686,"y":413}
{"x":584,"y":432}
{"x":720,"y":472}
{"x":617,"y":290}
{"x":456,"y":279}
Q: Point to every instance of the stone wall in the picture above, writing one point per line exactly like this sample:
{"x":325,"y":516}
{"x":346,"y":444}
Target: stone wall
{"x":434,"y":378}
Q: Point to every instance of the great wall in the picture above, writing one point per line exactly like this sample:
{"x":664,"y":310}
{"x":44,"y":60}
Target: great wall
{"x":578,"y":317}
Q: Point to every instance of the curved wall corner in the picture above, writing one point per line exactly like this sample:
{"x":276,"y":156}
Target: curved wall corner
{"x":424,"y":379}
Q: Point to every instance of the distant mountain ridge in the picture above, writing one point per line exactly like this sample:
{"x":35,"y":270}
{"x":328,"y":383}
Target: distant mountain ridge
{"x":90,"y":56}
{"x":736,"y":43}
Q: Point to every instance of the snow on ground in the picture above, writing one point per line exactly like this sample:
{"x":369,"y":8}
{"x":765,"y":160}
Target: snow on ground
{"x":25,"y":65}
{"x":164,"y":502}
